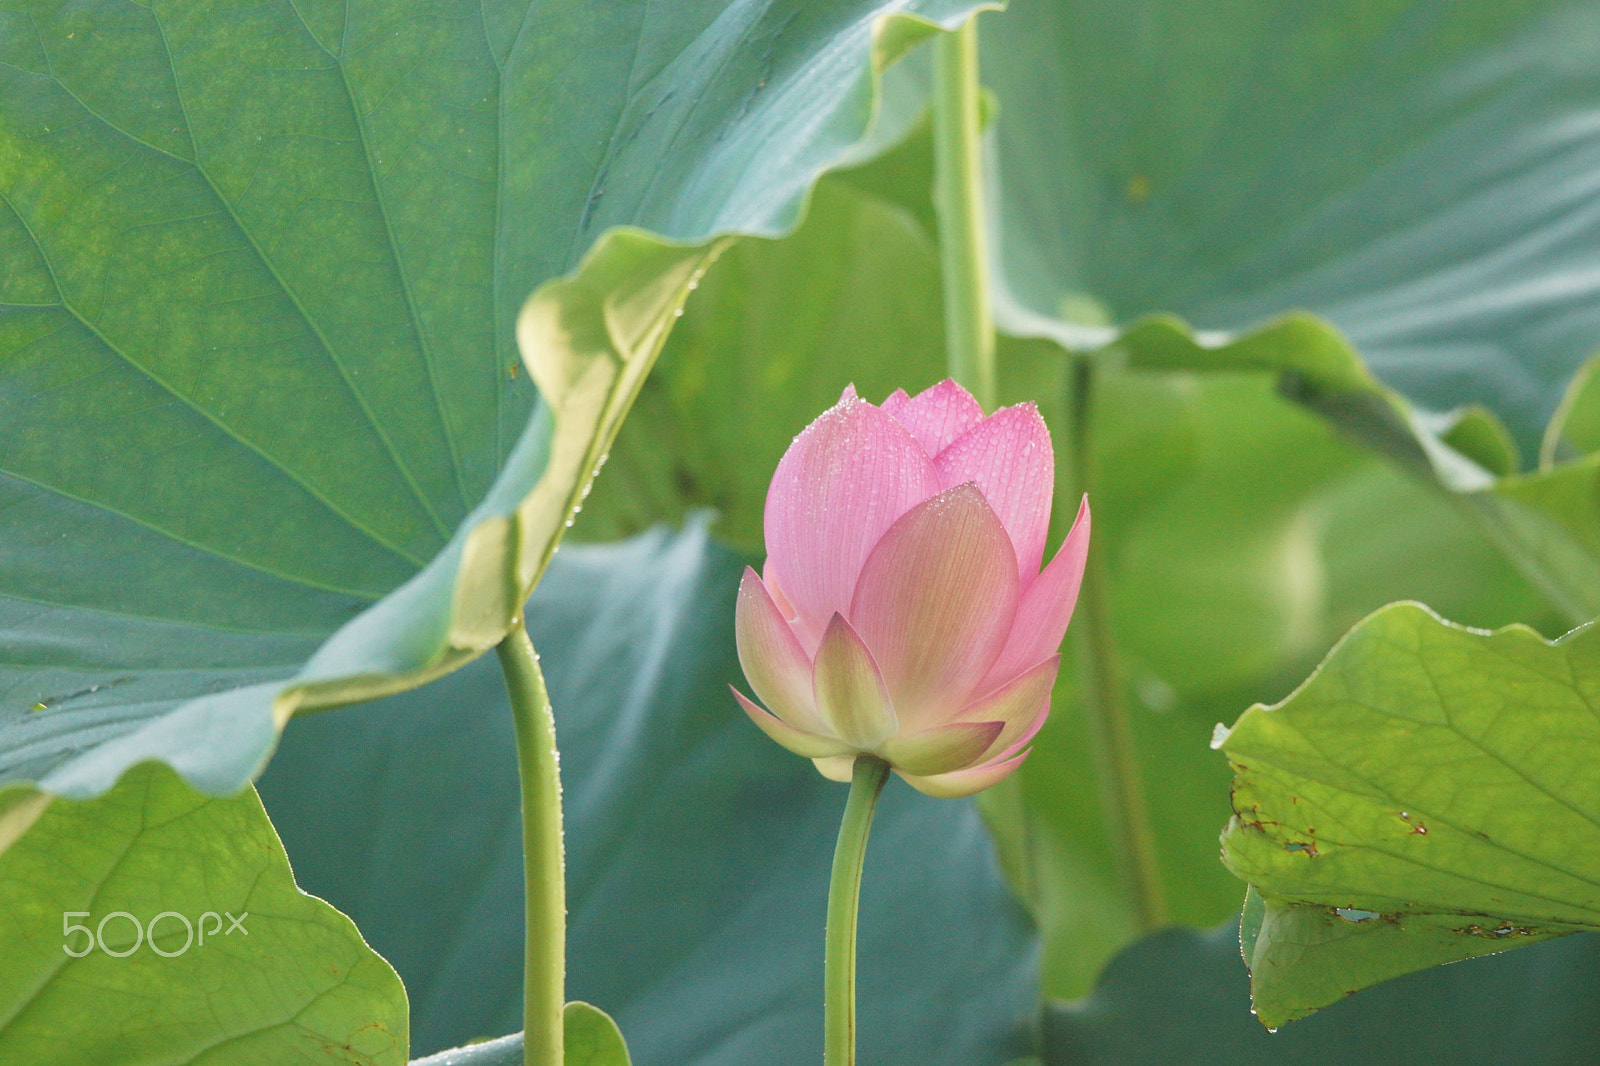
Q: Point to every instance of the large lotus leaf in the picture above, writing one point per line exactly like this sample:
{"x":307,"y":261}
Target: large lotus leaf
{"x":173,"y":932}
{"x":697,"y":850}
{"x":1183,"y":997}
{"x":1546,"y":522}
{"x":1419,"y":173}
{"x":1422,"y":173}
{"x":257,"y":376}
{"x":1426,"y":795}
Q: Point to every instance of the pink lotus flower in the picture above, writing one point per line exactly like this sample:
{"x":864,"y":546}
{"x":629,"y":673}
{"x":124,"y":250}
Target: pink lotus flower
{"x":902,"y":612}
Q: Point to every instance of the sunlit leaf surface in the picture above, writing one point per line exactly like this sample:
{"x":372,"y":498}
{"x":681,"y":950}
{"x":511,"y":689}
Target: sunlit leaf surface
{"x":192,"y":944}
{"x":1427,"y":795}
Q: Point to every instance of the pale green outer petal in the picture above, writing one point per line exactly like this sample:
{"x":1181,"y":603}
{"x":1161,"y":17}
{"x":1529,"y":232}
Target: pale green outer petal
{"x":942,"y":749}
{"x":811,"y":745}
{"x":1018,"y":703}
{"x":771,"y":656}
{"x":965,"y":782}
{"x":838,"y":768}
{"x":850,"y":693}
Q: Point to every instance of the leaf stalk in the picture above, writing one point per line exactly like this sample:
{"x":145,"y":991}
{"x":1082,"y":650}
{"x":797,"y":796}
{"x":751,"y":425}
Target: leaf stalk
{"x":543,"y":856}
{"x":1122,"y":798}
{"x":959,"y":204}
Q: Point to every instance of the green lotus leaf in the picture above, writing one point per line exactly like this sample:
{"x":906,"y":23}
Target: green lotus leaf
{"x":1425,"y":796}
{"x":591,"y":1037}
{"x":1410,"y":171}
{"x":267,"y":444}
{"x":174,"y":932}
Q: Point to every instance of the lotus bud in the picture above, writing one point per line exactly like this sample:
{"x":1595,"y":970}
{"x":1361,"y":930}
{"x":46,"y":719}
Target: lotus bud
{"x":902,"y":611}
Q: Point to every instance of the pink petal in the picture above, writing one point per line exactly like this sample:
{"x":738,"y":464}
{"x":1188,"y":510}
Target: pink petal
{"x":800,"y":741}
{"x":844,"y":481}
{"x":1012,"y":742}
{"x":837,"y":767}
{"x":773,"y":661}
{"x":805,"y":631}
{"x":937,"y":415}
{"x":941,"y":749}
{"x":774,"y":583}
{"x":1046,"y":605}
{"x":1008,"y":454}
{"x":849,"y":692}
{"x":966,"y":782}
{"x":1022,"y":704}
{"x":935,"y":602}
{"x":895,"y":403}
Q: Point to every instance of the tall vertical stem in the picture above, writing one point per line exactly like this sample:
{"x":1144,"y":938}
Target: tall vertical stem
{"x":844,"y":895}
{"x":543,"y":860}
{"x":958,"y":201}
{"x":1121,"y":789}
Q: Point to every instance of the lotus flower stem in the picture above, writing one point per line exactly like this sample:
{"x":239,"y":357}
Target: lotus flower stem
{"x":958,"y":201}
{"x":543,"y":861}
{"x":1121,"y":788}
{"x":844,"y":895}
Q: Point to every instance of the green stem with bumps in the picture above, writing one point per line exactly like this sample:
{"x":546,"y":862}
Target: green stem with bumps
{"x":543,"y":858}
